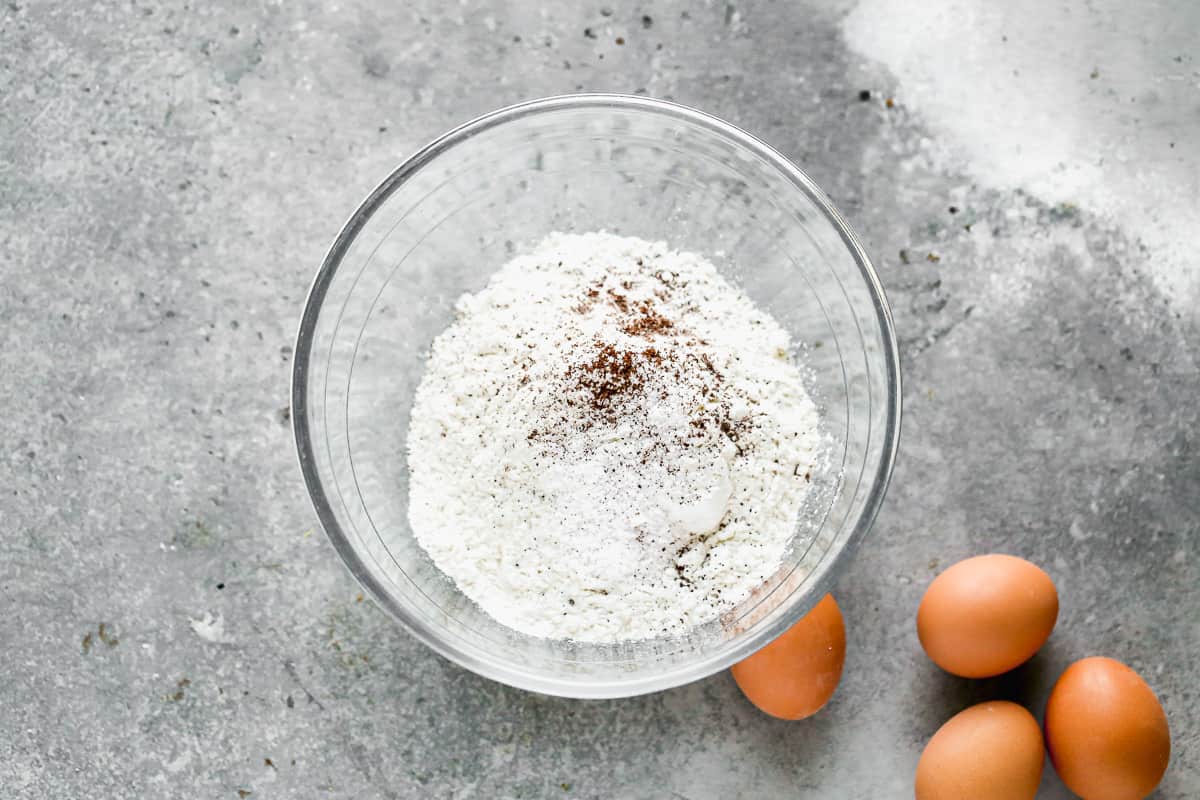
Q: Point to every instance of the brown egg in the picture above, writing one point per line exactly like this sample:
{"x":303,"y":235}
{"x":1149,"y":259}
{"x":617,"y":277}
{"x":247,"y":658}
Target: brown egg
{"x":1106,"y":731}
{"x":793,"y":676}
{"x":992,"y":751}
{"x":987,"y":615}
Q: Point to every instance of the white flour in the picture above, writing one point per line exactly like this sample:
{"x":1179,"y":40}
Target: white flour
{"x":1072,"y":107}
{"x":611,"y":442}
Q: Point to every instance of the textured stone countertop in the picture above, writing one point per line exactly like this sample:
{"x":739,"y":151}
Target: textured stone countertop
{"x":175,"y":623}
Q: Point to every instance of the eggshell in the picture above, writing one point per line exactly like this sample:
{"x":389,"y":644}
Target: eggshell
{"x":1106,"y":731}
{"x":795,"y":675}
{"x":992,"y":751}
{"x":987,"y":615}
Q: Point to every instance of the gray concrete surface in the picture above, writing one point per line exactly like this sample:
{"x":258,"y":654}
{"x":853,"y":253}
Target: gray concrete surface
{"x":174,"y":625}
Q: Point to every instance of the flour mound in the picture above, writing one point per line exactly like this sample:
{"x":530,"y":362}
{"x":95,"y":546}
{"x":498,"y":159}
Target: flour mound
{"x":609,"y":443}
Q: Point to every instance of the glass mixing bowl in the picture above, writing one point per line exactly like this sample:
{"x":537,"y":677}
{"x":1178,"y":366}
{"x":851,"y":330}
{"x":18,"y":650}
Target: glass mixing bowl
{"x":453,"y":214}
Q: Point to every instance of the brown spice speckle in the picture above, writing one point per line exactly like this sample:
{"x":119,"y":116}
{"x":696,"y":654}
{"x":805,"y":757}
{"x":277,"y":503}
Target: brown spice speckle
{"x":646,"y":322}
{"x":106,"y":637}
{"x":612,"y":373}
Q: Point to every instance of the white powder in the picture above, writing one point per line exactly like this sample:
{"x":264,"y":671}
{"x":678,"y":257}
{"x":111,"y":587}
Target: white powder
{"x":610,"y":442}
{"x":1061,"y":100}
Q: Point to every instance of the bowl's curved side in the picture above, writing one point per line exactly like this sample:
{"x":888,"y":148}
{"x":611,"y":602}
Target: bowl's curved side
{"x":817,"y":583}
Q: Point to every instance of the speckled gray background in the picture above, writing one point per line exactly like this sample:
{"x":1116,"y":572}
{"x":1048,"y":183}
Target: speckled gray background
{"x":175,"y":625}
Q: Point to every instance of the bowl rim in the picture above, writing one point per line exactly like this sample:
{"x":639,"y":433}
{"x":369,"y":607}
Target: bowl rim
{"x":818,"y":582}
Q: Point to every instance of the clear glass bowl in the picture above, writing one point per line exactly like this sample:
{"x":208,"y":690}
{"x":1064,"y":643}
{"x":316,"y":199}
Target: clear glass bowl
{"x":455,"y":212}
